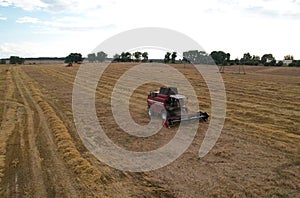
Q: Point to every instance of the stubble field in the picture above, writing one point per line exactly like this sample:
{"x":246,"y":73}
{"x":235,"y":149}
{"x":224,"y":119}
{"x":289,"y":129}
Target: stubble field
{"x":41,"y":154}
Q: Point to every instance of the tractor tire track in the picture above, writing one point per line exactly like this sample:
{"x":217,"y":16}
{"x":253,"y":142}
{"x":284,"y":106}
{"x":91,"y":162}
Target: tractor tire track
{"x":55,"y":173}
{"x":7,"y":128}
{"x":99,"y":182}
{"x":105,"y":181}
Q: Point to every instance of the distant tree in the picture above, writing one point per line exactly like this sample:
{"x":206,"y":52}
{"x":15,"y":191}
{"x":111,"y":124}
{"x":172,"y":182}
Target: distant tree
{"x":3,"y":62}
{"x":232,"y":62}
{"x":125,"y":57}
{"x":173,"y":57}
{"x":73,"y":58}
{"x":247,"y":59}
{"x":167,"y":57}
{"x":288,"y":57}
{"x":280,"y":63}
{"x":190,"y":56}
{"x":128,"y":57}
{"x":250,"y":60}
{"x":255,"y":60}
{"x":266,"y":59}
{"x":101,"y":56}
{"x":13,"y":59}
{"x":137,"y":56}
{"x":295,"y":63}
{"x":219,"y":57}
{"x":237,"y":61}
{"x":92,"y":57}
{"x":16,"y":60}
{"x":116,"y":58}
{"x":145,"y":56}
{"x":273,"y":62}
{"x":228,"y":57}
{"x":197,"y":57}
{"x":185,"y":60}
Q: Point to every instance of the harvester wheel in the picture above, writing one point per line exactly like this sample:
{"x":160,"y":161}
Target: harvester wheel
{"x":150,"y":112}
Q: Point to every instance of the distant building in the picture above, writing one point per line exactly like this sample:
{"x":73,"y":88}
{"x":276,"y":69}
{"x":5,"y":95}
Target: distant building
{"x":287,"y":62}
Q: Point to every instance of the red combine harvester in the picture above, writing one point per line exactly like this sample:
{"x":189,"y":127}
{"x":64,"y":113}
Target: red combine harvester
{"x":171,"y":106}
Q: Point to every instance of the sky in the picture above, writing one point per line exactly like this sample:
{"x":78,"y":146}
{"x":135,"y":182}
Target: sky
{"x":55,"y":28}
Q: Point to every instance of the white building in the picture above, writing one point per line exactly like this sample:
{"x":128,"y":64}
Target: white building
{"x":287,"y":62}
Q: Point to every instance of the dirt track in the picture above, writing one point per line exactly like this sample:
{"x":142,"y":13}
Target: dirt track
{"x":41,"y":154}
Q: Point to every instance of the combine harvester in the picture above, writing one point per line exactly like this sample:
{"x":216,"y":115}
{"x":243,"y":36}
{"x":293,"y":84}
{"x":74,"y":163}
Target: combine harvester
{"x":171,"y":106}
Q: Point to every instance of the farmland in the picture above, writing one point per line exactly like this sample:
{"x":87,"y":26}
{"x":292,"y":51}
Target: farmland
{"x":41,"y":154}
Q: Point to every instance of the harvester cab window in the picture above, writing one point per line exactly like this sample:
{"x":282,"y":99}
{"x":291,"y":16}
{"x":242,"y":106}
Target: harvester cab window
{"x":176,"y":103}
{"x":173,"y":102}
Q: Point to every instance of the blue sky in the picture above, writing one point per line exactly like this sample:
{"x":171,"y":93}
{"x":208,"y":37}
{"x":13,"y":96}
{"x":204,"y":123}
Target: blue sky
{"x":35,"y":28}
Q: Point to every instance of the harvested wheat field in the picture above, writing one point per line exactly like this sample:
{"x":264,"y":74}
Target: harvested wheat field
{"x":41,"y":154}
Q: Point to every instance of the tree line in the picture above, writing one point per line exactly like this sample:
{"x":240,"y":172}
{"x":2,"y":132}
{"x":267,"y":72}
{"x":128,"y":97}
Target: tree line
{"x":222,"y":58}
{"x":13,"y":60}
{"x":200,"y":57}
{"x":191,"y":56}
{"x":123,"y":57}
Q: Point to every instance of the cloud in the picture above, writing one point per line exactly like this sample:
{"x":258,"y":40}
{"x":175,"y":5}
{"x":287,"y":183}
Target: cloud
{"x":280,"y":8}
{"x":24,"y":49}
{"x":27,"y":20}
{"x":75,"y":6}
{"x":273,"y":13}
{"x":267,"y":8}
{"x":47,"y":48}
{"x":275,"y":8}
{"x":261,"y":11}
{"x":85,"y":28}
{"x":2,"y":18}
{"x":292,"y":15}
{"x":27,"y":5}
{"x":39,"y":49}
{"x":67,"y":24}
{"x":5,"y":3}
{"x":62,"y":20}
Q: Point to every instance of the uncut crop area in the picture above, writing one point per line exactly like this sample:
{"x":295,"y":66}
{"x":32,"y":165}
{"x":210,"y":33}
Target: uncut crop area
{"x":256,"y":155}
